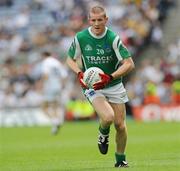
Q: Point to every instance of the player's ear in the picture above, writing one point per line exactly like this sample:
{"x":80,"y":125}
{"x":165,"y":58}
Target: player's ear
{"x":106,"y":19}
{"x":89,"y":20}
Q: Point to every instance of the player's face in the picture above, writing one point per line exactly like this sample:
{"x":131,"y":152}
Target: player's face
{"x":98,"y":23}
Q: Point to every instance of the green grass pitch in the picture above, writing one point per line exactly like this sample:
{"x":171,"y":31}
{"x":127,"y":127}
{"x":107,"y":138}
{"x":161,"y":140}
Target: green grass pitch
{"x":151,"y":147}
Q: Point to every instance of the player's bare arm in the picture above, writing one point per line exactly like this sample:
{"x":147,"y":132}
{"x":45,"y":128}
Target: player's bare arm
{"x":73,"y":65}
{"x":125,"y":68}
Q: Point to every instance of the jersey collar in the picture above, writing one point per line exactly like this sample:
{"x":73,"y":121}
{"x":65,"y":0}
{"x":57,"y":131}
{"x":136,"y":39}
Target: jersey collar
{"x":97,"y":37}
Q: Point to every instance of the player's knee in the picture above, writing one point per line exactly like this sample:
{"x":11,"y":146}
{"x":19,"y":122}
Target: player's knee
{"x":120,"y":127}
{"x":108,"y":119}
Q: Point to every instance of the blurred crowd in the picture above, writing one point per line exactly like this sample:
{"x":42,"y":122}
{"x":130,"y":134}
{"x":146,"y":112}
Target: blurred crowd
{"x":157,"y":81}
{"x":29,"y":27}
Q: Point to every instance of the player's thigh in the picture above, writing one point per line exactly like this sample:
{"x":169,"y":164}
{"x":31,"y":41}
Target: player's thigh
{"x":119,"y":113}
{"x":103,"y":108}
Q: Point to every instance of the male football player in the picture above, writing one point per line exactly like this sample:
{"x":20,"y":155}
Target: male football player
{"x":53,"y":77}
{"x":100,"y":47}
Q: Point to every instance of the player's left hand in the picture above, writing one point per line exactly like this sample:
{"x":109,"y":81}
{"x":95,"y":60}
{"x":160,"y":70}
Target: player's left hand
{"x":105,"y":79}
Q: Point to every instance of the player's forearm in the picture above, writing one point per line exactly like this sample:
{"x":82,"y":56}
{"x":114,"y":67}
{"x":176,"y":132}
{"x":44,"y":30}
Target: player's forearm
{"x":73,"y":65}
{"x":124,"y":69}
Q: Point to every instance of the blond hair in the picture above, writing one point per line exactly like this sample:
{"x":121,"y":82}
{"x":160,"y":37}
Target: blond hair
{"x":97,"y":10}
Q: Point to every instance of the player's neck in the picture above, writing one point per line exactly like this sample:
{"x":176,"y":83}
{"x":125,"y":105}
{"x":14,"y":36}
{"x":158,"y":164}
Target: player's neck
{"x":97,"y":36}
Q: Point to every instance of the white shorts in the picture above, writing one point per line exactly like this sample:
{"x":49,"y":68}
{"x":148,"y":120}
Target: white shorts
{"x":114,"y":94}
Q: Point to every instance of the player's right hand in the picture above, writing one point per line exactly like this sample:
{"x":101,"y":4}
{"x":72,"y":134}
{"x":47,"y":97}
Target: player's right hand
{"x":80,"y":79}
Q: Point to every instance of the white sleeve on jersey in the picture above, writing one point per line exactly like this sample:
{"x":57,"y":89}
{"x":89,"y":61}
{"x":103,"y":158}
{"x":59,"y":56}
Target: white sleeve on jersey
{"x":116,"y":44}
{"x":78,"y":49}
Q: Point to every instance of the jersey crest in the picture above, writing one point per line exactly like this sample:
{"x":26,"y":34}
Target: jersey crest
{"x":88,"y":47}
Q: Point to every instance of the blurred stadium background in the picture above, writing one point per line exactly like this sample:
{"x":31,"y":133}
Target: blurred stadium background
{"x":149,"y":28}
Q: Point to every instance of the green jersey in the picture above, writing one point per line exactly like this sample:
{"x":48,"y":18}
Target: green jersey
{"x":105,"y":51}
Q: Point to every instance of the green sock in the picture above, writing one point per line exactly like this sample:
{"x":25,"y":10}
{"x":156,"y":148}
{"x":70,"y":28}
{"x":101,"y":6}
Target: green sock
{"x":104,"y":131}
{"x":120,"y":157}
